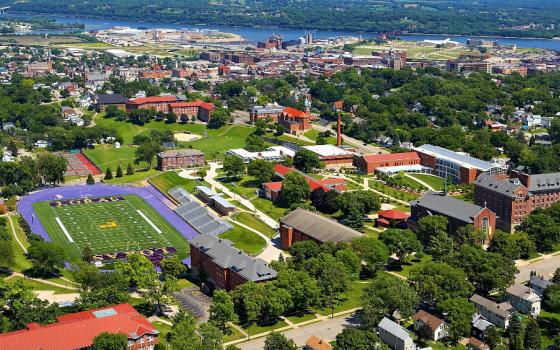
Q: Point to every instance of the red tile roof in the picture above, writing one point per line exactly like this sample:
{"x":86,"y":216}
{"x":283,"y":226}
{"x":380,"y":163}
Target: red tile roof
{"x":428,"y":319}
{"x":282,"y":170}
{"x":153,"y":99}
{"x":76,"y":331}
{"x":273,"y":186}
{"x":197,"y":103}
{"x":393,"y":214}
{"x":391,"y":157}
{"x":294,"y":112}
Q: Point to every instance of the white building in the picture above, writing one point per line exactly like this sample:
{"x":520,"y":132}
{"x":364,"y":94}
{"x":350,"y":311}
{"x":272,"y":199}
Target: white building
{"x":524,"y":299}
{"x":395,"y":336}
{"x":271,"y":154}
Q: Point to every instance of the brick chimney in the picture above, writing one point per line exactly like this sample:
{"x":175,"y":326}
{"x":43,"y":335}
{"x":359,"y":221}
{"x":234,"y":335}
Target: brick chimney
{"x":338,"y":132}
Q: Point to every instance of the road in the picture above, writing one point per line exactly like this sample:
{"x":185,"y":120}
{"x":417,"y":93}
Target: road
{"x":326,"y":330}
{"x":366,"y":149}
{"x":545,"y":267}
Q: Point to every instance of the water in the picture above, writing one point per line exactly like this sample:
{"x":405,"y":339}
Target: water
{"x":254,"y":34}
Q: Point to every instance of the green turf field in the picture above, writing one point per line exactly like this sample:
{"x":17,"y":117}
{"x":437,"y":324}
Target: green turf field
{"x":108,"y":227}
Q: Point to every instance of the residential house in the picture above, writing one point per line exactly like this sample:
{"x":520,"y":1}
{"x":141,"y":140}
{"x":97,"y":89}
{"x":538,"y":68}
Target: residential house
{"x":539,"y":284}
{"x":395,"y":336}
{"x":524,"y":299}
{"x":497,"y":314}
{"x":426,"y":324}
{"x":480,"y":326}
{"x":315,"y":343}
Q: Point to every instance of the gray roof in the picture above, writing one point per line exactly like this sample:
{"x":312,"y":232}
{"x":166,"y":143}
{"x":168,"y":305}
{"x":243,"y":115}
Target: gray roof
{"x":502,"y":310}
{"x":503,"y":186}
{"x":544,"y":182}
{"x":540,"y":282}
{"x":479,"y":322}
{"x":448,"y":206}
{"x":206,"y":191}
{"x":226,"y":256}
{"x":223,"y":202}
{"x":523,"y":292}
{"x":318,"y":226}
{"x":463,"y":160}
{"x":172,"y":153}
{"x":109,"y":99}
{"x":393,"y":328}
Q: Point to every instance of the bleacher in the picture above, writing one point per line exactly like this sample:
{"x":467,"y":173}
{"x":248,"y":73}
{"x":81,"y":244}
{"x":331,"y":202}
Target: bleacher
{"x":196,"y":215}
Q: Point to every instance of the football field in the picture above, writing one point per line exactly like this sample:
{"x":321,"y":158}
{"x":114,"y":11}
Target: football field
{"x":119,"y":224}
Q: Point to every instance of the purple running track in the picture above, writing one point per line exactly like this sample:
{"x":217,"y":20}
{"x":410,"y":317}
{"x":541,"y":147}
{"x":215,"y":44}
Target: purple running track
{"x":159,"y":202}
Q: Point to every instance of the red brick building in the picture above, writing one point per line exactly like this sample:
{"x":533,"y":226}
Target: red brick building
{"x":158,"y":103}
{"x":303,"y":225}
{"x":295,"y":121}
{"x":222,"y":266}
{"x":459,"y":213}
{"x":513,"y":199}
{"x":367,"y":164}
{"x":102,"y":101}
{"x":272,"y":111}
{"x":179,"y":159}
{"x":202,"y":110}
{"x":77,"y":330}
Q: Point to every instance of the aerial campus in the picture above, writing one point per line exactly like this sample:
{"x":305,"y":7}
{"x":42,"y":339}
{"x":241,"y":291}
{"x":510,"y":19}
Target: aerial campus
{"x":164,"y":187}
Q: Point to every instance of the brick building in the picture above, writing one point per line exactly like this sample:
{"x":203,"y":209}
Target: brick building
{"x":458,"y":167}
{"x":272,"y":111}
{"x":224,"y":266}
{"x":179,"y":159}
{"x":295,"y":121}
{"x":102,"y":101}
{"x":367,"y":164}
{"x":459,"y":213}
{"x":157,"y":103}
{"x":200,"y":109}
{"x":304,"y":225}
{"x":77,"y":330}
{"x":513,"y":199}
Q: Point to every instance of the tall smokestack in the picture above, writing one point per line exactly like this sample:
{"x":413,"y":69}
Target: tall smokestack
{"x":338,"y":132}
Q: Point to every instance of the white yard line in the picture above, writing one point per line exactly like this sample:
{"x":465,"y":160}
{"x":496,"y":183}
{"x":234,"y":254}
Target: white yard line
{"x":149,"y":221}
{"x":64,"y":229}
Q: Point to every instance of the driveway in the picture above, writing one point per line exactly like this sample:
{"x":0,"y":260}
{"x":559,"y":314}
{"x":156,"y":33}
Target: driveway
{"x":545,"y":267}
{"x":326,"y":330}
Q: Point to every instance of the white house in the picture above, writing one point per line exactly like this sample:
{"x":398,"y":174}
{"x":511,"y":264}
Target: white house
{"x":428,"y":324}
{"x":524,"y":299}
{"x":395,"y":336}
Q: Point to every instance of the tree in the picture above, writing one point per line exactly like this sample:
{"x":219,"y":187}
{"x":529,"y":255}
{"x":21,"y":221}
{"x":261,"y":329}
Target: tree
{"x":98,"y":289}
{"x":302,"y":251}
{"x":201,"y":173}
{"x":437,"y":281}
{"x":401,"y":242}
{"x":248,"y":300}
{"x":51,"y":168}
{"x":262,"y":170}
{"x":277,"y":341}
{"x":146,"y":153}
{"x":302,"y":288}
{"x":441,"y":246}
{"x":351,"y":262}
{"x":108,"y":174}
{"x":158,"y":291}
{"x":373,"y":252}
{"x":211,"y":338}
{"x":222,"y":309}
{"x":552,"y":298}
{"x":172,"y":267}
{"x":556,"y":277}
{"x":87,"y":254}
{"x":430,"y":226}
{"x":7,"y":253}
{"x":295,"y":188}
{"x":493,"y":337}
{"x":254,"y":143}
{"x":385,"y":295}
{"x":129,"y":169}
{"x":219,"y":118}
{"x":138,"y":269}
{"x":47,"y":258}
{"x":459,"y":313}
{"x":110,"y":341}
{"x":90,"y":180}
{"x":542,"y":229}
{"x":532,"y":339}
{"x":183,"y":334}
{"x":234,"y":166}
{"x":325,"y":202}
{"x":119,"y":171}
{"x":352,"y":338}
{"x":516,"y":333}
{"x":307,"y":161}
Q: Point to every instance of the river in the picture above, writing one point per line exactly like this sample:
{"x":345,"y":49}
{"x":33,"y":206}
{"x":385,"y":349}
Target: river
{"x":254,"y":34}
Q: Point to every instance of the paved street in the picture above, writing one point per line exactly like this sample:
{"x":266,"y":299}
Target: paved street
{"x":545,"y":267}
{"x":326,"y":330}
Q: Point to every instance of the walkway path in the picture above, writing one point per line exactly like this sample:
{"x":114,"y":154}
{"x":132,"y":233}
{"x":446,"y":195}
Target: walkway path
{"x":421,"y":182}
{"x":211,"y":179}
{"x":270,"y":253}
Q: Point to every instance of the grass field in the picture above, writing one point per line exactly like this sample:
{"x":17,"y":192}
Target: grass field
{"x":414,"y":50}
{"x":245,"y":240}
{"x":435,"y":181}
{"x":166,"y":181}
{"x":36,"y":285}
{"x":108,"y":227}
{"x":252,"y":221}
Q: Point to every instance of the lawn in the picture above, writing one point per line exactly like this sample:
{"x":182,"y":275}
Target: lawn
{"x":20,"y":262}
{"x":436,"y":182}
{"x":138,"y":176}
{"x":254,"y":329}
{"x":299,"y":319}
{"x":36,"y":285}
{"x":168,"y":180}
{"x":351,"y":300}
{"x":124,"y":224}
{"x":223,"y":139}
{"x":253,"y":222}
{"x":269,"y":208}
{"x":245,"y":240}
{"x":233,"y":334}
{"x":104,"y":156}
{"x":246,"y":186}
{"x":392,"y":192}
{"x":414,"y":261}
{"x":163,"y":329}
